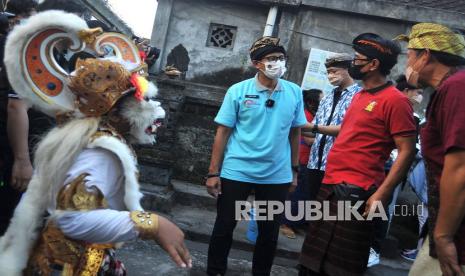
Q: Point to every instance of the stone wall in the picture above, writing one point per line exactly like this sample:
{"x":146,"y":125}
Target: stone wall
{"x":183,"y":146}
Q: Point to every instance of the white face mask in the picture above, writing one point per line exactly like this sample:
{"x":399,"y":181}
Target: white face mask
{"x":417,"y":99}
{"x":275,"y":69}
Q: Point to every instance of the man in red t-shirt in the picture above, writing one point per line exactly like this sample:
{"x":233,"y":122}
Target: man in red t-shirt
{"x":379,"y":119}
{"x":436,"y":58}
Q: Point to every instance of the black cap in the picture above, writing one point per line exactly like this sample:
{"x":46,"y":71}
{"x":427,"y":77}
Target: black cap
{"x":377,"y":47}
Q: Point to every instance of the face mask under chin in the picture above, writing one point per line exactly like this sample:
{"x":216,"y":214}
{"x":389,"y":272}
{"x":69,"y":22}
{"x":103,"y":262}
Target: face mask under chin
{"x":417,"y":99}
{"x":336,"y":82}
{"x":411,"y":76}
{"x":413,"y":79}
{"x":412,"y":73}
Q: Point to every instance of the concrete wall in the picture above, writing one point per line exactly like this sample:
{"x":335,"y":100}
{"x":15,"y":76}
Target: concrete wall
{"x":189,"y":25}
{"x":406,"y":12}
{"x":334,"y":31}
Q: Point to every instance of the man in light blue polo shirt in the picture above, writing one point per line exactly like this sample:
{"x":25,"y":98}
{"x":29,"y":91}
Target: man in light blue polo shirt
{"x":256,"y":148}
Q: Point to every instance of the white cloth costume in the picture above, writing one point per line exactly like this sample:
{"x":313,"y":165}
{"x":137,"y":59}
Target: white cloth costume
{"x":111,"y":225}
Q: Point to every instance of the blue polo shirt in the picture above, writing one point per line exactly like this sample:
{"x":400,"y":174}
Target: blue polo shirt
{"x":258,"y":150}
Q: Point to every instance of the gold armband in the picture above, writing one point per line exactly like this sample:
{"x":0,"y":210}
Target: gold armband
{"x":146,"y":223}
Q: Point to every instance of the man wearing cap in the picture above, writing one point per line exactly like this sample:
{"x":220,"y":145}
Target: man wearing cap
{"x":379,"y":119}
{"x":328,"y":118}
{"x":256,"y":148}
{"x":436,"y":58}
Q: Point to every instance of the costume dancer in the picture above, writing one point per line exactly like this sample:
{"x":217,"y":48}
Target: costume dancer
{"x":84,"y":195}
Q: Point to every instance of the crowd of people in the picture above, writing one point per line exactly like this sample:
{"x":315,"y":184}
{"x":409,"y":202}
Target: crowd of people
{"x":356,"y":144}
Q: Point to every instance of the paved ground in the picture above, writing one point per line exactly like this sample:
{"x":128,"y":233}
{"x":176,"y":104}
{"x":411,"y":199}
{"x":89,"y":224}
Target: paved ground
{"x":143,"y":258}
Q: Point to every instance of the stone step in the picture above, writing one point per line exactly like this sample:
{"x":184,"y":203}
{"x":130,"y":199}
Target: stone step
{"x":189,"y":194}
{"x":157,"y":198}
{"x":163,"y":197}
{"x":197,"y":224}
{"x":194,"y":211}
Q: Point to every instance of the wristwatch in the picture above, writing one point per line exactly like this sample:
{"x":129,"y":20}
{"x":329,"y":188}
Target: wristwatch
{"x":315,"y":128}
{"x":296,"y":168}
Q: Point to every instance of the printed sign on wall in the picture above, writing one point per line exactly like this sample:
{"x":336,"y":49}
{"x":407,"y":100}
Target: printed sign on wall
{"x":315,"y":76}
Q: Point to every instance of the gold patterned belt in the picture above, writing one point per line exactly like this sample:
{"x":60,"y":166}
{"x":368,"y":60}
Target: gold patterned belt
{"x":75,"y":257}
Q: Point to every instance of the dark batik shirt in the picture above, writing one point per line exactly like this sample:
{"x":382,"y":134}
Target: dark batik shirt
{"x":444,"y":131}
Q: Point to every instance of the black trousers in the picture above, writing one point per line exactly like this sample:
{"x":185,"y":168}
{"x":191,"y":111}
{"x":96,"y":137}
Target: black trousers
{"x":222,"y":236}
{"x":9,"y":197}
{"x":315,"y":177}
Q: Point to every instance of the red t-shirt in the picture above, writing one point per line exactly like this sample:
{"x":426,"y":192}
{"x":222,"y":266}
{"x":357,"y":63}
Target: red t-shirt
{"x":304,"y":149}
{"x":366,"y":137}
{"x":444,"y":131}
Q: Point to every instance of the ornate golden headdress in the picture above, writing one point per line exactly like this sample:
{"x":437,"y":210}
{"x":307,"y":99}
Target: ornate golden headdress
{"x":98,"y":85}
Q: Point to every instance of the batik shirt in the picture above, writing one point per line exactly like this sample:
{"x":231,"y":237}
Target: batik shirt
{"x":321,"y":118}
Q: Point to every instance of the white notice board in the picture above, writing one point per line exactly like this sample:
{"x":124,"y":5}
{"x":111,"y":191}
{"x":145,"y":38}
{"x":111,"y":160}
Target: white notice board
{"x":315,"y":76}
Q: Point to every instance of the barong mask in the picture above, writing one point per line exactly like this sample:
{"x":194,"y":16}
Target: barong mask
{"x":113,"y":75}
